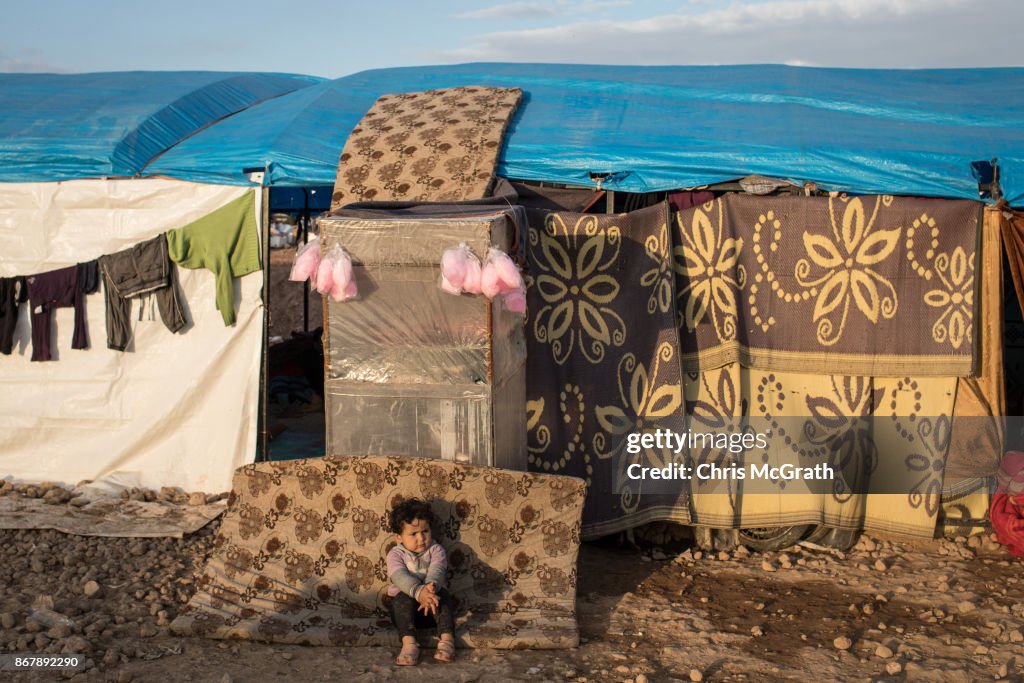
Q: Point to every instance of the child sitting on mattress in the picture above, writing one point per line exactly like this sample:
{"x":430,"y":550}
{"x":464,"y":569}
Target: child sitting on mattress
{"x":416,"y":568}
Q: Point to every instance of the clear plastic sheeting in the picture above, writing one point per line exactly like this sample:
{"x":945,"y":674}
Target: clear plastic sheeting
{"x":69,"y":126}
{"x":912,"y":132}
{"x":175,"y":409}
{"x":413,"y":370}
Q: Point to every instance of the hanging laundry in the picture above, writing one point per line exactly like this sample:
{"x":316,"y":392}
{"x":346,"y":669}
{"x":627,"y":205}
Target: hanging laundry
{"x":130,"y":273}
{"x":12,"y":295}
{"x":224,"y":242}
{"x":49,"y":291}
{"x":687,"y":199}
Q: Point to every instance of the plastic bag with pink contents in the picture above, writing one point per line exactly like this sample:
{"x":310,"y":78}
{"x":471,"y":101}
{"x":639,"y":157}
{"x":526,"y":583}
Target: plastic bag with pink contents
{"x":335,"y":276}
{"x":500,"y":275}
{"x":460,"y":270}
{"x":307,"y":261}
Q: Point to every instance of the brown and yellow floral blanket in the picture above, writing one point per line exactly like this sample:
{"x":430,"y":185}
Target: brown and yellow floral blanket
{"x":432,"y":146}
{"x":300,"y":553}
{"x":613,"y":301}
{"x":871,"y":285}
{"x":602,"y":354}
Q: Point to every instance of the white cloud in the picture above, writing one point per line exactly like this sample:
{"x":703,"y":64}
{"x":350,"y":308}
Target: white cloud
{"x":511,"y":10}
{"x":598,"y":5}
{"x":537,"y":10}
{"x":28,"y":60}
{"x":847,"y":33}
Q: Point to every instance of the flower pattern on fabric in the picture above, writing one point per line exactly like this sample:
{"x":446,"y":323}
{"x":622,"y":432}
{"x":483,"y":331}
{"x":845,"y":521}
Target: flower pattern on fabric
{"x":707,"y":260}
{"x":359,"y":574}
{"x":366,"y":525}
{"x":298,"y":567}
{"x":644,"y":396}
{"x":557,"y":538}
{"x":659,"y":278}
{"x":250,"y":522}
{"x":577,"y":288}
{"x":848,"y":261}
{"x":953,"y":273}
{"x":553,"y":581}
{"x":311,"y":481}
{"x":325,"y":581}
{"x":433,"y":481}
{"x":494,"y":535}
{"x":308,"y":525}
{"x":437,"y":145}
{"x":500,"y":489}
{"x":370,"y":479}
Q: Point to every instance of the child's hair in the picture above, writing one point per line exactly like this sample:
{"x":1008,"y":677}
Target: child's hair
{"x":407,"y":512}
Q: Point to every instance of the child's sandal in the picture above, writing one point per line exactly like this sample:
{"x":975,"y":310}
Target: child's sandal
{"x":409,"y":656}
{"x":445,"y":650}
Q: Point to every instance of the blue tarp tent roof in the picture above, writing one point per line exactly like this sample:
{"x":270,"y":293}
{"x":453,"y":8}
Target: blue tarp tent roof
{"x":61,"y":127}
{"x":893,"y":131}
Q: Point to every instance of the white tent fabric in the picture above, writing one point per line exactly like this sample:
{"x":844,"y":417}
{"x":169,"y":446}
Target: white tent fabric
{"x":175,"y":409}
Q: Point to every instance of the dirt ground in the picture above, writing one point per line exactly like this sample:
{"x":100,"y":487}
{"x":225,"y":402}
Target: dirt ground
{"x":944,"y":610}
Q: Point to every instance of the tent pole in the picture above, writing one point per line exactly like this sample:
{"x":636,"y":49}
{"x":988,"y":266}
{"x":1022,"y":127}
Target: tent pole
{"x":264,"y":448}
{"x":305,"y":240}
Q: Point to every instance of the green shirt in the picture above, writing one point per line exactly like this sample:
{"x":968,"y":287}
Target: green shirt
{"x":225,"y":242}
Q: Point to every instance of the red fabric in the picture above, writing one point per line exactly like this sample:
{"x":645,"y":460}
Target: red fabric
{"x":1007,"y":517}
{"x":1010,"y":478}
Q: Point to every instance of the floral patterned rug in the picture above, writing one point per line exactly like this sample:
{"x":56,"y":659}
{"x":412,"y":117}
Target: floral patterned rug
{"x":300,"y":553}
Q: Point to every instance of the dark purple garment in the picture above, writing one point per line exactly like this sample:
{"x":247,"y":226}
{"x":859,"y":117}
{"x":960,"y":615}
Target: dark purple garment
{"x":46,"y":292}
{"x":12,"y":295}
{"x":687,"y":199}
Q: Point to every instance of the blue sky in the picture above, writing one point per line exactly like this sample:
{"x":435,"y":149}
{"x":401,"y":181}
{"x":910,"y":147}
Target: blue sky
{"x":337,"y":38}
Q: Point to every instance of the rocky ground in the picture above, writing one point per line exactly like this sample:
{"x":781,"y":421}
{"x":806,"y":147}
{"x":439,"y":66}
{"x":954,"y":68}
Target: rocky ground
{"x":944,"y":610}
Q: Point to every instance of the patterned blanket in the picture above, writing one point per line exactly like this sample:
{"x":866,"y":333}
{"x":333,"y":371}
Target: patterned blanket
{"x":602,"y":352}
{"x":611,"y":351}
{"x":872,"y":285}
{"x":300,"y":554}
{"x":433,"y":146}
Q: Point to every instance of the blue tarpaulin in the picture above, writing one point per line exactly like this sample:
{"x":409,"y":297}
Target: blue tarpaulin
{"x":62,"y":127}
{"x":910,"y":132}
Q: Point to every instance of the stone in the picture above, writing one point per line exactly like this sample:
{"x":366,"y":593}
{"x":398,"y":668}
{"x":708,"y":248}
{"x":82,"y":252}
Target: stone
{"x":59,"y":631}
{"x":883,"y":652}
{"x":76,"y":645}
{"x":881,"y":566}
{"x":640,"y":678}
{"x":767,"y":566}
{"x":842,"y":643}
{"x":965,"y":606}
{"x":91,"y":589}
{"x":893,"y":668}
{"x":8,"y":620}
{"x":148,"y":630}
{"x":197,"y":498}
{"x":696,"y":676}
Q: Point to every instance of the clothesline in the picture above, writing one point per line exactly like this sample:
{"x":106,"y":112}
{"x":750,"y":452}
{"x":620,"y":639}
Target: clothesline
{"x":224,"y":242}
